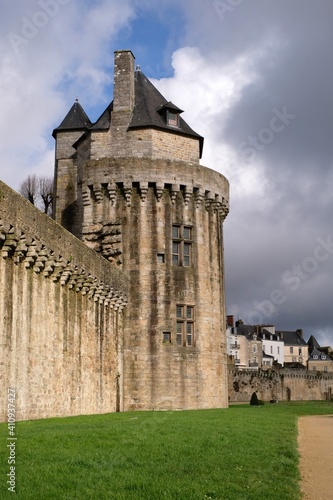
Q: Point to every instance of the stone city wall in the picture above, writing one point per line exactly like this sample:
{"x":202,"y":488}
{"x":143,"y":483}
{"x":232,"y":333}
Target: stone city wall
{"x":60,"y":318}
{"x":283,"y":385}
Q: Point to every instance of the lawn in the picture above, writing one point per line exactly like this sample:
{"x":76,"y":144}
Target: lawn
{"x":243,"y":452}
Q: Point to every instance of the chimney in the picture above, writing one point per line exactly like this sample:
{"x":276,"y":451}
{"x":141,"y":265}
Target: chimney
{"x":300,"y":332}
{"x":123,"y":93}
{"x":230,"y":321}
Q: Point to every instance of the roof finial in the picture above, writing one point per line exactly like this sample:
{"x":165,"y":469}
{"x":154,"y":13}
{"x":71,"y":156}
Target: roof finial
{"x":138,"y":68}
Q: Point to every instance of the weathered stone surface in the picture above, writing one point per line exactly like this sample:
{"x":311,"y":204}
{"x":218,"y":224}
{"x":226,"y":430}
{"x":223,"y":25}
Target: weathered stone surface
{"x":282,"y":385}
{"x":69,"y":344}
{"x":60,"y":317}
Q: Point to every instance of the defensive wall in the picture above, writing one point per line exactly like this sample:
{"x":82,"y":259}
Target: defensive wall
{"x":129,"y":207}
{"x":283,"y":385}
{"x":61,"y":315}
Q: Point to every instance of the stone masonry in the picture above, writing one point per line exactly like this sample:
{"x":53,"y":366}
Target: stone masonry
{"x":142,"y":201}
{"x":61,"y":315}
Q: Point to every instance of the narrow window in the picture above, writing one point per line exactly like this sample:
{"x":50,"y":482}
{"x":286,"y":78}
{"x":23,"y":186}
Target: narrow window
{"x":172,"y":118}
{"x":187,"y":233}
{"x":190,"y":312}
{"x":189,"y":333}
{"x":176,"y":253}
{"x":179,"y":334}
{"x":187,"y":254}
{"x":179,"y":311}
{"x":175,"y":231}
{"x":291,"y":350}
{"x":185,"y":325}
{"x":166,"y":337}
{"x":181,"y":245}
{"x":160,"y":258}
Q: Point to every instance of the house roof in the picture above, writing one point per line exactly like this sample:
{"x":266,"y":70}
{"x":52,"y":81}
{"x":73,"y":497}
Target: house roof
{"x":314,"y":352}
{"x":276,"y":337}
{"x":246,"y":330}
{"x":312,"y":343}
{"x":76,"y":119}
{"x":149,"y":107}
{"x":291,"y":338}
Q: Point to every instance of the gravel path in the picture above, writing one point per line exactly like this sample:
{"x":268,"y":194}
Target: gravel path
{"x":315,"y":443}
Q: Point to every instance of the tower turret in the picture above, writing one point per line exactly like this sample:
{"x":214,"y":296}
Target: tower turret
{"x":75,"y":123}
{"x":150,"y":208}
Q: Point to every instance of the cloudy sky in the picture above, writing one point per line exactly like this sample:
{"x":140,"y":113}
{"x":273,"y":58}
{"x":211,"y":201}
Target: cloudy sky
{"x":255,"y":78}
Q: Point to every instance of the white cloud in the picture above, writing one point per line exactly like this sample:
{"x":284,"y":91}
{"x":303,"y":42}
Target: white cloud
{"x":215,"y":89}
{"x":42,"y":70}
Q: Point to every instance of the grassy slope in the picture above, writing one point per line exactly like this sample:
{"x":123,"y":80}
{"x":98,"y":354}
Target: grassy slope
{"x":243,"y":452}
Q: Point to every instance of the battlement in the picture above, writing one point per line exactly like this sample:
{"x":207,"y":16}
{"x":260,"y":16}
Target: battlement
{"x":30,"y":237}
{"x":106,"y":177}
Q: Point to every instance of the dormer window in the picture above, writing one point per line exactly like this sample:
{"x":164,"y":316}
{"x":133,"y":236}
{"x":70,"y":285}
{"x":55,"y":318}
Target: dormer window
{"x":171,"y":114}
{"x":172,"y":118}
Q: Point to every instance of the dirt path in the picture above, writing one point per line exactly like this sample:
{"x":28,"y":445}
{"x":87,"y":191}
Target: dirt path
{"x":315,"y":442}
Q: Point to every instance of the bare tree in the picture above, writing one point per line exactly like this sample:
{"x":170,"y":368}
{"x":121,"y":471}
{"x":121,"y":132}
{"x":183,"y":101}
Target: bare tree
{"x":45,"y":189}
{"x":28,"y":189}
{"x":39,"y":191}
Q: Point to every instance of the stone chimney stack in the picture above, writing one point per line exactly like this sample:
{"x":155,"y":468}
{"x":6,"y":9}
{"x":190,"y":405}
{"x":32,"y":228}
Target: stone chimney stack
{"x":123,"y":94}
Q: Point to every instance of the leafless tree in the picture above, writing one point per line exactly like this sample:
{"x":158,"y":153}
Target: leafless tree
{"x":45,"y":189}
{"x":28,"y":188}
{"x":39,"y":191}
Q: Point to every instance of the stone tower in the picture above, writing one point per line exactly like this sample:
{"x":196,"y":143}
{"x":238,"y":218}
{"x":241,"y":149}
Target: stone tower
{"x":131,"y":187}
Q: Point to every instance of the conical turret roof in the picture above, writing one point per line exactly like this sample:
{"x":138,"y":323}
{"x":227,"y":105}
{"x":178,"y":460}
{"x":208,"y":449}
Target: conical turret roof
{"x":76,"y":119}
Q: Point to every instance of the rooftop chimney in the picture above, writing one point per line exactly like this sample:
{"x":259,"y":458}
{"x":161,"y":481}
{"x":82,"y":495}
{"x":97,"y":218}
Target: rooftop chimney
{"x":123,"y":93}
{"x":230,"y":320}
{"x":300,"y":332}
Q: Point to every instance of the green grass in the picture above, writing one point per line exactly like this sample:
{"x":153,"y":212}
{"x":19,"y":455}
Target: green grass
{"x":244,"y":452}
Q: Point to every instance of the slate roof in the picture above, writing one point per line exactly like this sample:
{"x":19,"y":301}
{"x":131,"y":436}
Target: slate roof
{"x":246,"y":330}
{"x":148,"y":110}
{"x":264,"y":355}
{"x":104,"y":121}
{"x":312,"y":343}
{"x":76,"y":119}
{"x":292,"y":338}
{"x":319,"y":354}
{"x":270,"y":336}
